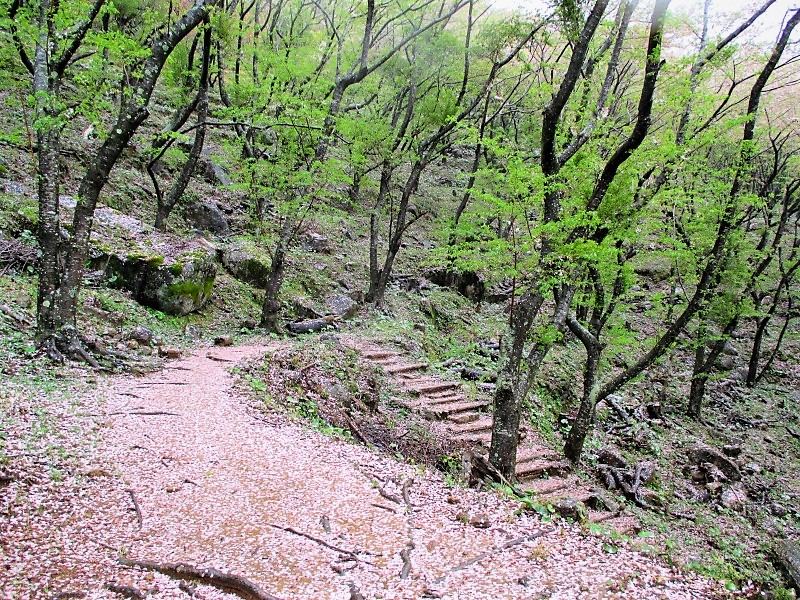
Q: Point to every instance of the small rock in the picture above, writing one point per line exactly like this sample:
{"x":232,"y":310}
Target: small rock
{"x":732,"y":450}
{"x":646,"y":471}
{"x":752,"y":468}
{"x":419,"y":327}
{"x":654,"y":410}
{"x":132,"y":344}
{"x":223,"y":340}
{"x":169,"y":352}
{"x":141,"y":334}
{"x":315,"y":242}
{"x":249,"y":323}
{"x":215,"y":173}
{"x":730,"y":349}
{"x":726,"y":362}
{"x":193,"y":332}
{"x":704,"y":454}
{"x":571,"y":508}
{"x":778,"y":510}
{"x":480,"y":521}
{"x":338,"y":392}
{"x":206,"y":216}
{"x":452,"y":500}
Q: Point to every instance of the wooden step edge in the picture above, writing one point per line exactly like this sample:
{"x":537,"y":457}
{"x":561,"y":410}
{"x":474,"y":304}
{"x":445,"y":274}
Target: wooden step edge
{"x":406,"y":368}
{"x":436,"y":387}
{"x":445,"y":400}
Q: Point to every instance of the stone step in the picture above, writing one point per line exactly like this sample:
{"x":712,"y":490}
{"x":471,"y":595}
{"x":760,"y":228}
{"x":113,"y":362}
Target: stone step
{"x":623,"y":525}
{"x":405,"y":368}
{"x":475,"y":437}
{"x":542,"y":468}
{"x":445,"y":399}
{"x":431,"y":387}
{"x":441,"y":394}
{"x":480,"y":425}
{"x":443,"y":411}
{"x":375,"y":355}
{"x":467,"y":417}
{"x":543,"y":488}
{"x":535,"y":453}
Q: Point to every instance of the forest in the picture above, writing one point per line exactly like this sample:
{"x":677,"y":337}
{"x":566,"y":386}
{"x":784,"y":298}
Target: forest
{"x":549,"y":253}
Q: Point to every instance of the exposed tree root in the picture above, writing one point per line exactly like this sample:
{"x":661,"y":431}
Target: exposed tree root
{"x":233,"y":584}
{"x":136,"y":507}
{"x":20,"y":320}
{"x":66,"y":344}
{"x":405,"y":554}
{"x":125,"y":590}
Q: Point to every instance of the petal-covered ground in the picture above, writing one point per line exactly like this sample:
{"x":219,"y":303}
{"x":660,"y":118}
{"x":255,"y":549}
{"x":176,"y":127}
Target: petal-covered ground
{"x":187,"y":472}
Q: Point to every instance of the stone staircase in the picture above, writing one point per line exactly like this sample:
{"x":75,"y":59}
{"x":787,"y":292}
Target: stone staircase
{"x":540,"y":469}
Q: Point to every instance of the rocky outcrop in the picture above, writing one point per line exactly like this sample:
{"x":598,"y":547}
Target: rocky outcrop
{"x":162,"y":271}
{"x":178,"y":286}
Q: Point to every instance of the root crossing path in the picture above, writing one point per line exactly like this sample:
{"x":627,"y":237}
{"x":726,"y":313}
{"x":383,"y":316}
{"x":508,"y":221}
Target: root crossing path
{"x":195,"y":476}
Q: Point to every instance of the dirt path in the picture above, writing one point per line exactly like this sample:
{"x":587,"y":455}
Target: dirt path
{"x":301,"y":515}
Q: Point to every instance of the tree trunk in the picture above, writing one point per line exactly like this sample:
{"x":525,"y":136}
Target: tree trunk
{"x":573,"y":448}
{"x":167,"y":203}
{"x":507,"y":397}
{"x":379,"y":278}
{"x":270,"y":310}
{"x":755,"y":352}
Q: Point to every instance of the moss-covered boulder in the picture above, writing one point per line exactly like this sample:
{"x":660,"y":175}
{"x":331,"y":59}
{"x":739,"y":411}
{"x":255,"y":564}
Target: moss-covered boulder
{"x":167,"y":272}
{"x":179,"y":286}
{"x":246,"y":262}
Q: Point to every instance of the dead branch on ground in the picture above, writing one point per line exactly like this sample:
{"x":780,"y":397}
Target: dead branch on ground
{"x":227,"y":582}
{"x":321,"y":542}
{"x":136,"y":507}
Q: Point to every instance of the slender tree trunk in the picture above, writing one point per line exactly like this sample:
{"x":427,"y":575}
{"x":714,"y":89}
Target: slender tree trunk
{"x":378,"y":288}
{"x":507,"y":400}
{"x":755,"y":352}
{"x":271,"y":308}
{"x":48,"y":179}
{"x":375,"y":274}
{"x":168,"y":202}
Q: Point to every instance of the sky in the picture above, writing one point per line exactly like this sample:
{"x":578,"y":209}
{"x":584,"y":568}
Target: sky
{"x":726,"y":14}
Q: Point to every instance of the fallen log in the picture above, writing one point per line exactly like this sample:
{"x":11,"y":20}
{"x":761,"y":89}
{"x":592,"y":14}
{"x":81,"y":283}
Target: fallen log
{"x":226,"y":582}
{"x":312,"y":325}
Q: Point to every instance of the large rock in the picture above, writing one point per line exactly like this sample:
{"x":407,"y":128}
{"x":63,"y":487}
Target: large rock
{"x":467,"y":283}
{"x":246,"y":264}
{"x":178,"y":286}
{"x":206,"y":216}
{"x":788,"y":553}
{"x":214,"y":173}
{"x":341,"y":306}
{"x":166,"y":272}
{"x":704,"y":454}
